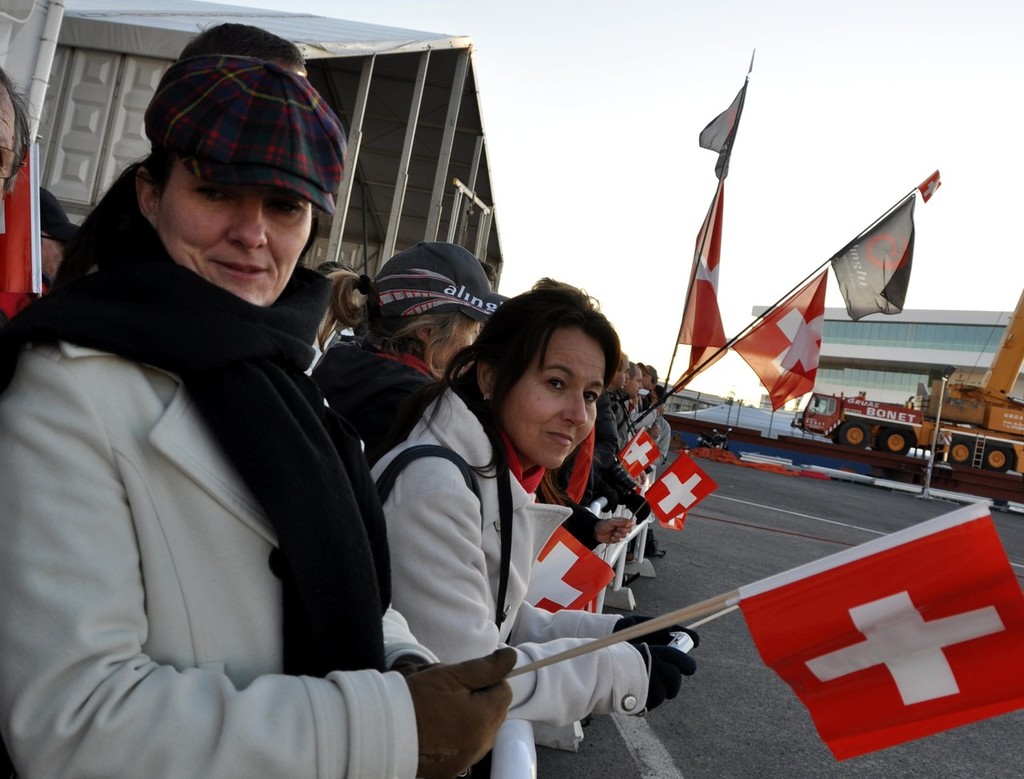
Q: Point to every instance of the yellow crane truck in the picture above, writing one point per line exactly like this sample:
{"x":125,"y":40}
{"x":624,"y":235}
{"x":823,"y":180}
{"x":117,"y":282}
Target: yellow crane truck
{"x":981,"y":425}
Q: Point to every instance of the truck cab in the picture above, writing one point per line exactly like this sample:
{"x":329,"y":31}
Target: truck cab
{"x":820,"y":415}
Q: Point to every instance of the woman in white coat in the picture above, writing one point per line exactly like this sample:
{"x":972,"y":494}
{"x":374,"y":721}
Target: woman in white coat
{"x":194,"y":568}
{"x":513,"y":404}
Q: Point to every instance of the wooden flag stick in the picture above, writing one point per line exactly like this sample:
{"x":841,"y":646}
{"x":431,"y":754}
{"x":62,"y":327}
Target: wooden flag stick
{"x":680,"y":616}
{"x":712,"y":617}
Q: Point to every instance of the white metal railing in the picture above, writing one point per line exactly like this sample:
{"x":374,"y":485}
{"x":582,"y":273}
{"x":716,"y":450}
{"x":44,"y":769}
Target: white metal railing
{"x":514,"y":755}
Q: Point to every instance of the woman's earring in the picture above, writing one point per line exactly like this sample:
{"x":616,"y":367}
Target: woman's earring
{"x":487,"y":397}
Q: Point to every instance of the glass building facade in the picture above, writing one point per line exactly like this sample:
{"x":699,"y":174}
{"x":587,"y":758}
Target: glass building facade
{"x":892,"y":358}
{"x":916,"y":335}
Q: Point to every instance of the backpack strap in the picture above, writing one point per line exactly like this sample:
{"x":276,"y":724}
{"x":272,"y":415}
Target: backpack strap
{"x":505,"y":529}
{"x":386,"y":482}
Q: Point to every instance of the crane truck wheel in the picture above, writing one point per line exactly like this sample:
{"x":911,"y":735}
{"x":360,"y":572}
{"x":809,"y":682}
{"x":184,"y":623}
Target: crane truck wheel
{"x":961,"y":451}
{"x":894,"y":441}
{"x":997,"y":458}
{"x":853,"y":434}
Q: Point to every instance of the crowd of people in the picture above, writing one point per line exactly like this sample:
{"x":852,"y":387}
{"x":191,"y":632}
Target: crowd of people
{"x":203,"y":573}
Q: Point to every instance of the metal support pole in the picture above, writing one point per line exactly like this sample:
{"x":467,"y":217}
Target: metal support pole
{"x":447,"y":141}
{"x":355,"y":139}
{"x":402,"y":176}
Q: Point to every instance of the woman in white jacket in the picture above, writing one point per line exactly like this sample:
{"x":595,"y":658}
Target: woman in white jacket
{"x":513,"y":404}
{"x":194,"y":567}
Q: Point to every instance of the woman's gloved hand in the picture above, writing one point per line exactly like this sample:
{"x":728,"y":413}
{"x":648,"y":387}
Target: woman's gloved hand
{"x":661,"y":637}
{"x":636,"y":503}
{"x":666,"y":668}
{"x":458,"y":711}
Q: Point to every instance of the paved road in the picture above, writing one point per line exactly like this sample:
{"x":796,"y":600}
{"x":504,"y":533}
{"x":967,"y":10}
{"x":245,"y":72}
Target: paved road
{"x":735,"y":717}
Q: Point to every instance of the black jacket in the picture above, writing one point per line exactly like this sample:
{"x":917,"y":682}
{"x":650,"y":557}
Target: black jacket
{"x":366,"y":388}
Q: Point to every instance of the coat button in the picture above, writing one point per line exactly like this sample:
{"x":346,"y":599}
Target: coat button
{"x":629,"y":703}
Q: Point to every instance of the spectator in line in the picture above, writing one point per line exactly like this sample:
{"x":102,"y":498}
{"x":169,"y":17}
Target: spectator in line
{"x":56,"y":231}
{"x":245,"y":40}
{"x":630,"y":401}
{"x":660,"y":430}
{"x":426,"y":303}
{"x":513,"y":404}
{"x":223,"y":603}
{"x":617,"y":401}
{"x":14,"y":132}
{"x":648,"y":381}
{"x":608,"y":479}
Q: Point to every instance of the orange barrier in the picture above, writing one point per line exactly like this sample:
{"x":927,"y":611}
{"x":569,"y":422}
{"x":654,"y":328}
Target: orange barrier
{"x":725,"y":456}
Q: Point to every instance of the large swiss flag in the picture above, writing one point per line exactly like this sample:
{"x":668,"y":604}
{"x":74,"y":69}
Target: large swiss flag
{"x":904,"y":636}
{"x":681,"y":487}
{"x":783,"y":348}
{"x":566,"y":575}
{"x":702,"y":320}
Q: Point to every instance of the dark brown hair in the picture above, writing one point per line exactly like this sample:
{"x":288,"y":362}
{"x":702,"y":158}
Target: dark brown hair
{"x":513,"y":339}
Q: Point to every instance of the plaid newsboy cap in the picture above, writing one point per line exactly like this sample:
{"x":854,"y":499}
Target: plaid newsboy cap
{"x":239,"y":120}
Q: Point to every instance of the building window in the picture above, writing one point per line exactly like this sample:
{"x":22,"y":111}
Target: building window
{"x":920,"y":335}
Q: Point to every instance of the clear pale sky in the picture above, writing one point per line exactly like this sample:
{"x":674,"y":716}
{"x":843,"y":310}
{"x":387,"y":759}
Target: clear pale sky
{"x":592,"y":111}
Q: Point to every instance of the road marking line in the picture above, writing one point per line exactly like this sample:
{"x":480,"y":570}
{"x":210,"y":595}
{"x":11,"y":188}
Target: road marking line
{"x":798,"y":514}
{"x":649,"y":755}
{"x":818,"y":519}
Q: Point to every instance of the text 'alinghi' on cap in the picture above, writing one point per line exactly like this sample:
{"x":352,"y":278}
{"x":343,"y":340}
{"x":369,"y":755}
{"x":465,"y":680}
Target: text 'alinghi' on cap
{"x":434,"y":277}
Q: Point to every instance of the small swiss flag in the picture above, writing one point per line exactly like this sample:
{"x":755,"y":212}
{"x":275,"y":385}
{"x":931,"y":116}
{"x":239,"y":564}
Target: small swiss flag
{"x":929,"y":185}
{"x":679,"y":489}
{"x":898,"y":638}
{"x":640,"y":452}
{"x":566,"y":575}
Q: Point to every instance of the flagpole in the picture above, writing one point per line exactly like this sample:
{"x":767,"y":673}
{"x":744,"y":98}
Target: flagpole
{"x":691,"y":374}
{"x":679,"y":616}
{"x":721,"y":183}
{"x":694,"y":372}
{"x":871,"y":226}
{"x":693,"y":274}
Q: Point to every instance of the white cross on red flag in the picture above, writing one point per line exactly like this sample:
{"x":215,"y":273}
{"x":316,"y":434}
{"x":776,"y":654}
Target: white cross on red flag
{"x":702,"y":320}
{"x":566,"y":575}
{"x":929,"y":185}
{"x":640,"y":452}
{"x":681,"y":487}
{"x":908,"y":635}
{"x":783,"y":348}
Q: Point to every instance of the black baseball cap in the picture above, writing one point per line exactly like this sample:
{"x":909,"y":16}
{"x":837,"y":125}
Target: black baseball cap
{"x":434,"y":277}
{"x":53,"y":221}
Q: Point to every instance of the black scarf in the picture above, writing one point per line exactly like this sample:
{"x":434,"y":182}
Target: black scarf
{"x":243,"y":366}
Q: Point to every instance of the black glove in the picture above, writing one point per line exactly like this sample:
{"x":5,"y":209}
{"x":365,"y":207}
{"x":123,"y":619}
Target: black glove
{"x":581,"y":525}
{"x":658,"y":637}
{"x":666,"y":668}
{"x":635,"y":502}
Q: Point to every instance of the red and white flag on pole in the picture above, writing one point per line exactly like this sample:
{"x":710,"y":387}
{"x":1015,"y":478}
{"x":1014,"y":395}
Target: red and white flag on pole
{"x":640,"y":452}
{"x":783,"y":348}
{"x":929,"y":185}
{"x":701,"y":327}
{"x":566,"y":575}
{"x":908,"y":635}
{"x":21,"y":276}
{"x":679,"y":489}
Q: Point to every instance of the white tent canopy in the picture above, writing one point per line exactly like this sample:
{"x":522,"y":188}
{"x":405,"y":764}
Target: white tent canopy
{"x":408,"y":100}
